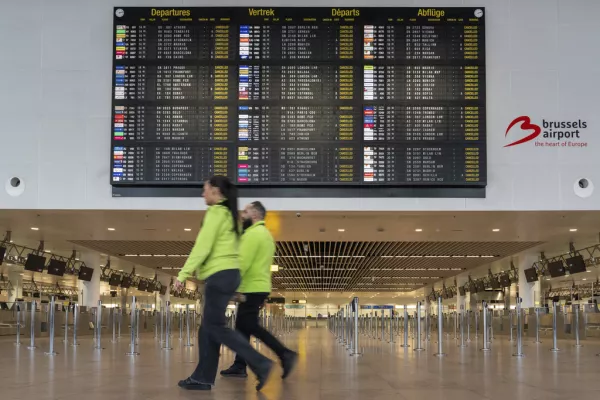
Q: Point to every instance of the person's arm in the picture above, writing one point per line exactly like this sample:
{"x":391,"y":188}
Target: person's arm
{"x":204,"y":243}
{"x":248,"y":248}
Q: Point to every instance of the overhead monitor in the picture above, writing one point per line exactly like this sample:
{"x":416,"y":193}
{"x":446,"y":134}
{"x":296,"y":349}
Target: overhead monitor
{"x":556,"y":269}
{"x":142,"y":285}
{"x":480,"y":285}
{"x":126,"y":282}
{"x":505,"y":280}
{"x":115,"y":280}
{"x":35,"y":263}
{"x":85,"y":273}
{"x":494,"y":282}
{"x":531,"y":275}
{"x":2,"y":253}
{"x":576,"y":265}
{"x":472,"y":287}
{"x":163,"y":290}
{"x":462,"y":291}
{"x":57,"y":267}
{"x":151,"y":287}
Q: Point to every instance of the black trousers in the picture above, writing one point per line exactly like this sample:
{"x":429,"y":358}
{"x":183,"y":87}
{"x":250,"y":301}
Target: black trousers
{"x":247,"y":324}
{"x":213,"y":332}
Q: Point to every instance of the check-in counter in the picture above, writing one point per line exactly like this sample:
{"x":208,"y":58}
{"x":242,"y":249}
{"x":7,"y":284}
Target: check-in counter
{"x":591,"y":321}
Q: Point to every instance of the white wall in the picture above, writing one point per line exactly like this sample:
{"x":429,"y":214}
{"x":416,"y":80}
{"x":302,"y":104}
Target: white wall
{"x":56,"y":95}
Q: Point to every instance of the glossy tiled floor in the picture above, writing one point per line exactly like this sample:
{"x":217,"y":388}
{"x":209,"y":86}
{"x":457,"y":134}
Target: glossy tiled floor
{"x":325,"y":371}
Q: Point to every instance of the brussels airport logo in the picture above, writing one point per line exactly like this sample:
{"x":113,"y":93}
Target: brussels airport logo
{"x":547,"y":134}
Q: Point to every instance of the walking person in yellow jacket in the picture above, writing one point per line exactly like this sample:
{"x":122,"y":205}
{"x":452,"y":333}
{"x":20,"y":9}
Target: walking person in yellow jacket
{"x":214,"y":259}
{"x":257,"y":249}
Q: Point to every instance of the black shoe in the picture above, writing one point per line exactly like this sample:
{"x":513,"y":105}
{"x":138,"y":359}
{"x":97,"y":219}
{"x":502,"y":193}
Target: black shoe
{"x":288,"y":362}
{"x":263,"y":376}
{"x":234,"y":372}
{"x":192,"y":384}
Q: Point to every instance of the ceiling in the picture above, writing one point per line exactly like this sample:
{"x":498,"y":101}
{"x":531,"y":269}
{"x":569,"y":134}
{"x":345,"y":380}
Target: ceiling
{"x":317,"y":251}
{"x":336,"y":266}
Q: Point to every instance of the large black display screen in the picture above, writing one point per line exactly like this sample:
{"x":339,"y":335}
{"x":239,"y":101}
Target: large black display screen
{"x":314,"y":97}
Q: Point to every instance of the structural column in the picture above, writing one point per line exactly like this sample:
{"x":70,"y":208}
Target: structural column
{"x":461,"y":300}
{"x":90,"y":291}
{"x":16,"y":280}
{"x":529,"y":292}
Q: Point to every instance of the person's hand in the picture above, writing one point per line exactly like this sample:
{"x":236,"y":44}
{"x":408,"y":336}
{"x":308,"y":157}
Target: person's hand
{"x":178,"y":285}
{"x":239,"y":298}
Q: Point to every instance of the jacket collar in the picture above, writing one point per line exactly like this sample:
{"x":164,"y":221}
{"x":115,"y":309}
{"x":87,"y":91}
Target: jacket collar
{"x":255,"y":225}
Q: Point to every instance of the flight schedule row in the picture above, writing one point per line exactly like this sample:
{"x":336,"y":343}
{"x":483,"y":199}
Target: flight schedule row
{"x":297,"y":41}
{"x":298,"y":123}
{"x":304,"y":82}
{"x":304,"y":164}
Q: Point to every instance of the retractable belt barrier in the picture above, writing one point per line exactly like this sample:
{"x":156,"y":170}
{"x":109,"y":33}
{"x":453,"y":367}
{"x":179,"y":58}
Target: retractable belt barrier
{"x":519,"y":352}
{"x":133,"y":322}
{"x":32,"y":327}
{"x":486,"y":343}
{"x":440,"y":352}
{"x":52,"y":305}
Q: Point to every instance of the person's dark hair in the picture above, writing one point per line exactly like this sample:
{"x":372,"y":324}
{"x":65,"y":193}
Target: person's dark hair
{"x":229,"y":192}
{"x":258,"y":206}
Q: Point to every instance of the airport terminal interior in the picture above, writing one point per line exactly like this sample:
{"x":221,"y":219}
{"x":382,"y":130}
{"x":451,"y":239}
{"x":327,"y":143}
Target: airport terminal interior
{"x":428,"y":171}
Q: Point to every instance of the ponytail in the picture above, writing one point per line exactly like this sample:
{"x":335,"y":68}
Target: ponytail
{"x":229,"y":192}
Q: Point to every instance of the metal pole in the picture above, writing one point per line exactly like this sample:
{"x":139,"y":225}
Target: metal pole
{"x":554,"y":338}
{"x":137,"y":324}
{"x":519,"y":352}
{"x":32,"y":327}
{"x":383,"y":324}
{"x":181,"y":325}
{"x":75,"y":319}
{"x":162,"y":323}
{"x":577,"y":341}
{"x":156,"y":320}
{"x":132,"y":351}
{"x":51,"y":351}
{"x":468,"y":326}
{"x":168,"y":326}
{"x":405,"y":344}
{"x":412,"y":325}
{"x":18,"y":342}
{"x":355,"y":351}
{"x":455,"y":324}
{"x":392,"y":326}
{"x":426,"y":321}
{"x":418,"y":347}
{"x":194,"y":325}
{"x":119,"y":322}
{"x":477,"y":324}
{"x":99,"y":326}
{"x":510,"y":324}
{"x":486,"y":343}
{"x":440,"y":352}
{"x":376,"y":335}
{"x":462,"y":327}
{"x":114,"y":324}
{"x":537,"y":325}
{"x":187,"y":325}
{"x":491,"y":321}
{"x":66,"y":339}
{"x":342,"y":326}
{"x":349,"y":334}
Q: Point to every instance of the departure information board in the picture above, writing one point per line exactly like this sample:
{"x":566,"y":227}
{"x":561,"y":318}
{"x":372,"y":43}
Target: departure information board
{"x":314,"y":97}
